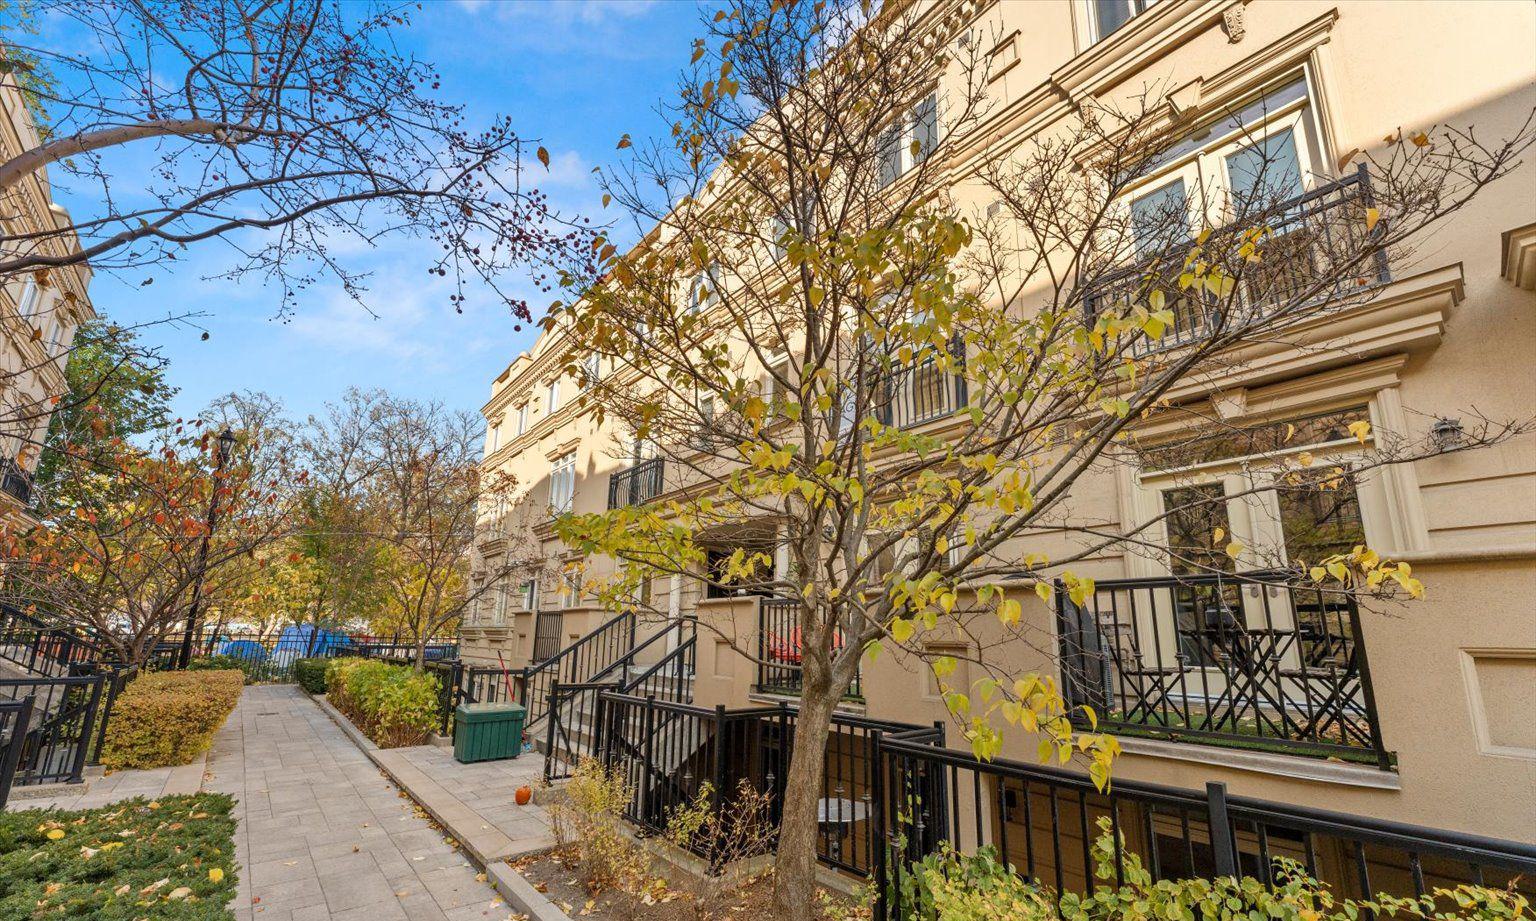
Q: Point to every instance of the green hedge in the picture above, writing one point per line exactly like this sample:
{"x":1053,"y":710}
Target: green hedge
{"x":310,"y":674}
{"x":108,"y":864}
{"x":222,"y":663}
{"x":166,"y":718}
{"x":393,"y":705}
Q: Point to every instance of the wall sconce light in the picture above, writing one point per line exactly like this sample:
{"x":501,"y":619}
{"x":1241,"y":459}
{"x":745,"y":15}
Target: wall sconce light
{"x":1448,"y":434}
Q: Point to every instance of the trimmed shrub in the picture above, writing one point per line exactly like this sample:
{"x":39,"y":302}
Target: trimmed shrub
{"x":393,"y":705}
{"x":171,"y":859}
{"x":167,"y":718}
{"x":220,"y":664}
{"x":310,"y":674}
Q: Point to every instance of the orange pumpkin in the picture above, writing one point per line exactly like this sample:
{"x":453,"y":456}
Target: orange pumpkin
{"x":523,"y":795}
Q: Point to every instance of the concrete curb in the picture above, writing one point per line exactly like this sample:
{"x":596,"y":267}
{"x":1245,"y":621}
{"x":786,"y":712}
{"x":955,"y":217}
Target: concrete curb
{"x":522,"y":896}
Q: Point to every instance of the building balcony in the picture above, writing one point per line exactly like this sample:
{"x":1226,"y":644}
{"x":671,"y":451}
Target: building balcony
{"x":779,"y":652}
{"x":1248,"y":661}
{"x":1310,"y":256}
{"x":921,"y":392}
{"x":15,"y":482}
{"x":637,"y":485}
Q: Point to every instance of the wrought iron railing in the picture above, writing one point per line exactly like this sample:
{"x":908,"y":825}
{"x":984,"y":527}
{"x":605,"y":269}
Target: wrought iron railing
{"x":66,"y":718}
{"x":1251,"y":661}
{"x":15,"y":717}
{"x":922,"y":392}
{"x":41,"y":648}
{"x":668,"y":751}
{"x":1044,"y":821}
{"x":780,"y":649}
{"x":15,"y":482}
{"x":548,"y":632}
{"x":1319,"y":248}
{"x":573,"y":721}
{"x":637,"y":485}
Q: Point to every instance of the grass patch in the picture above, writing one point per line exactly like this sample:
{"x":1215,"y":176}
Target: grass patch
{"x":171,"y":859}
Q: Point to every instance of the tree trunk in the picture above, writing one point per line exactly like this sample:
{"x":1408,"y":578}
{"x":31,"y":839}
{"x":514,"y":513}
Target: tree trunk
{"x":794,"y":888}
{"x":421,"y":653}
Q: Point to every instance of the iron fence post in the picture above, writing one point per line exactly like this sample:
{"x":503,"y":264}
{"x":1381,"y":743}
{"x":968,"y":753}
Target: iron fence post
{"x":1223,"y":846}
{"x":551,"y":714}
{"x":648,"y":724}
{"x":877,"y":821}
{"x":1372,"y":718}
{"x":11,"y":753}
{"x":721,"y":741}
{"x":87,"y":725}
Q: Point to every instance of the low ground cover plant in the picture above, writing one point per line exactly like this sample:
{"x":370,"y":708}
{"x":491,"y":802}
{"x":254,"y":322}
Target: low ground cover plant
{"x":171,"y":859}
{"x":393,"y":705}
{"x":167,"y":718}
{"x":310,"y":674}
{"x":950,"y":886}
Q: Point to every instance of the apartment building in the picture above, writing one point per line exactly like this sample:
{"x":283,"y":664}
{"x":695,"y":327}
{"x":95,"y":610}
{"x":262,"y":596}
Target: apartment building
{"x":39,"y":312}
{"x":1416,"y":713}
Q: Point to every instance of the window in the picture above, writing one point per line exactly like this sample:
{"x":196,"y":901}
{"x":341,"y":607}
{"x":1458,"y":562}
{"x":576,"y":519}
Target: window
{"x":529,"y":595}
{"x":522,"y":419}
{"x":552,"y":397}
{"x":499,"y":619}
{"x":493,"y":436}
{"x":1110,"y":15}
{"x":703,"y":438}
{"x":703,"y":289}
{"x":570,"y":590}
{"x":592,"y":369}
{"x":60,"y":336}
{"x":562,"y":484}
{"x":1158,"y":216}
{"x":30,"y":299}
{"x":778,"y":391}
{"x":908,"y":141}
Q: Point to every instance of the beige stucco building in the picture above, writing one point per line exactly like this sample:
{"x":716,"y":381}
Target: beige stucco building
{"x":39,"y":311}
{"x":1439,"y":727}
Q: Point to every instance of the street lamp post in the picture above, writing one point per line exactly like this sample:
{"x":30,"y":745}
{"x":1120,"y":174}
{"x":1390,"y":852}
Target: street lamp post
{"x":221,"y":454}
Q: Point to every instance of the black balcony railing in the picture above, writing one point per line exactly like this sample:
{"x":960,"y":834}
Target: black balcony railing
{"x":640,"y":483}
{"x":1247,"y":661}
{"x":15,"y":482}
{"x":922,"y":392}
{"x":779,"y":649}
{"x":1319,"y":249}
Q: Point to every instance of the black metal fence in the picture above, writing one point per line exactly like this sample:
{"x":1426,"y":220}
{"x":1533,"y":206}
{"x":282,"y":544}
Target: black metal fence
{"x":922,"y":391}
{"x":35,"y":646}
{"x":15,"y":717}
{"x":1044,"y":822}
{"x":668,"y":750}
{"x":15,"y":482}
{"x":573,"y":708}
{"x":780,"y":649}
{"x":548,"y":634}
{"x":1313,"y":241}
{"x":1246,"y":661}
{"x":639,"y":484}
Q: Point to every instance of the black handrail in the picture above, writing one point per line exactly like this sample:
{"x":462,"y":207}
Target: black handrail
{"x":637,"y":485}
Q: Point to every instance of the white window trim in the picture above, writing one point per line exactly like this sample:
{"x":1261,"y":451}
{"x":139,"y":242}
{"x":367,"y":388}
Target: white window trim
{"x":552,"y":397}
{"x":906,"y":133}
{"x":562,"y":472}
{"x":522,"y":419}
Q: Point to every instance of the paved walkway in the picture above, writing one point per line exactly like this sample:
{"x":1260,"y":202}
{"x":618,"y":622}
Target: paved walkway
{"x":323,"y":835}
{"x":103,"y":790}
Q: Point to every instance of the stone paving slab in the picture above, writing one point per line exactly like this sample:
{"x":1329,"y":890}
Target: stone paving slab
{"x":323,"y":835}
{"x":473,"y":802}
{"x":110,"y":788}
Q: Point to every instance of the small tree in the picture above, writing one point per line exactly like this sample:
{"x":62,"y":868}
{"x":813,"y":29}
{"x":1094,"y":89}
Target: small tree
{"x":809,"y":289}
{"x":121,"y":555}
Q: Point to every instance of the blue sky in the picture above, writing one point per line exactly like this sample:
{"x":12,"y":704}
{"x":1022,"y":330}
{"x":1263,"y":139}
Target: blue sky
{"x":576,"y":74}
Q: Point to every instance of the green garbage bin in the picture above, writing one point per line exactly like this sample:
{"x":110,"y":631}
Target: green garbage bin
{"x":486,"y":732}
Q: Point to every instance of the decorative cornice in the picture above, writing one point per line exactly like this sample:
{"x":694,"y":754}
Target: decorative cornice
{"x":1517,"y":260}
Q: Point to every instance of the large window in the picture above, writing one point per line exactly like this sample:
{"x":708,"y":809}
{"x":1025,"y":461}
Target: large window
{"x":909,"y":140}
{"x":552,"y":397}
{"x":562,"y":484}
{"x":522,"y":419}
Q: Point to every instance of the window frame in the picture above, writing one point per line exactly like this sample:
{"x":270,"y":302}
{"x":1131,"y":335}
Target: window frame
{"x":562,"y":472}
{"x":897,"y":137}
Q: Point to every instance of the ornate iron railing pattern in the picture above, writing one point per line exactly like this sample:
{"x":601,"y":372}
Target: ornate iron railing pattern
{"x":1313,"y":238}
{"x":922,"y":392}
{"x":1252,"y":660}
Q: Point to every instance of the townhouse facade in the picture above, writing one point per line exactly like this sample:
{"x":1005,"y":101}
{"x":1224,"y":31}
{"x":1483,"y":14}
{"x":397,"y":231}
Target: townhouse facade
{"x":1418,"y":713}
{"x":40,"y":311}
